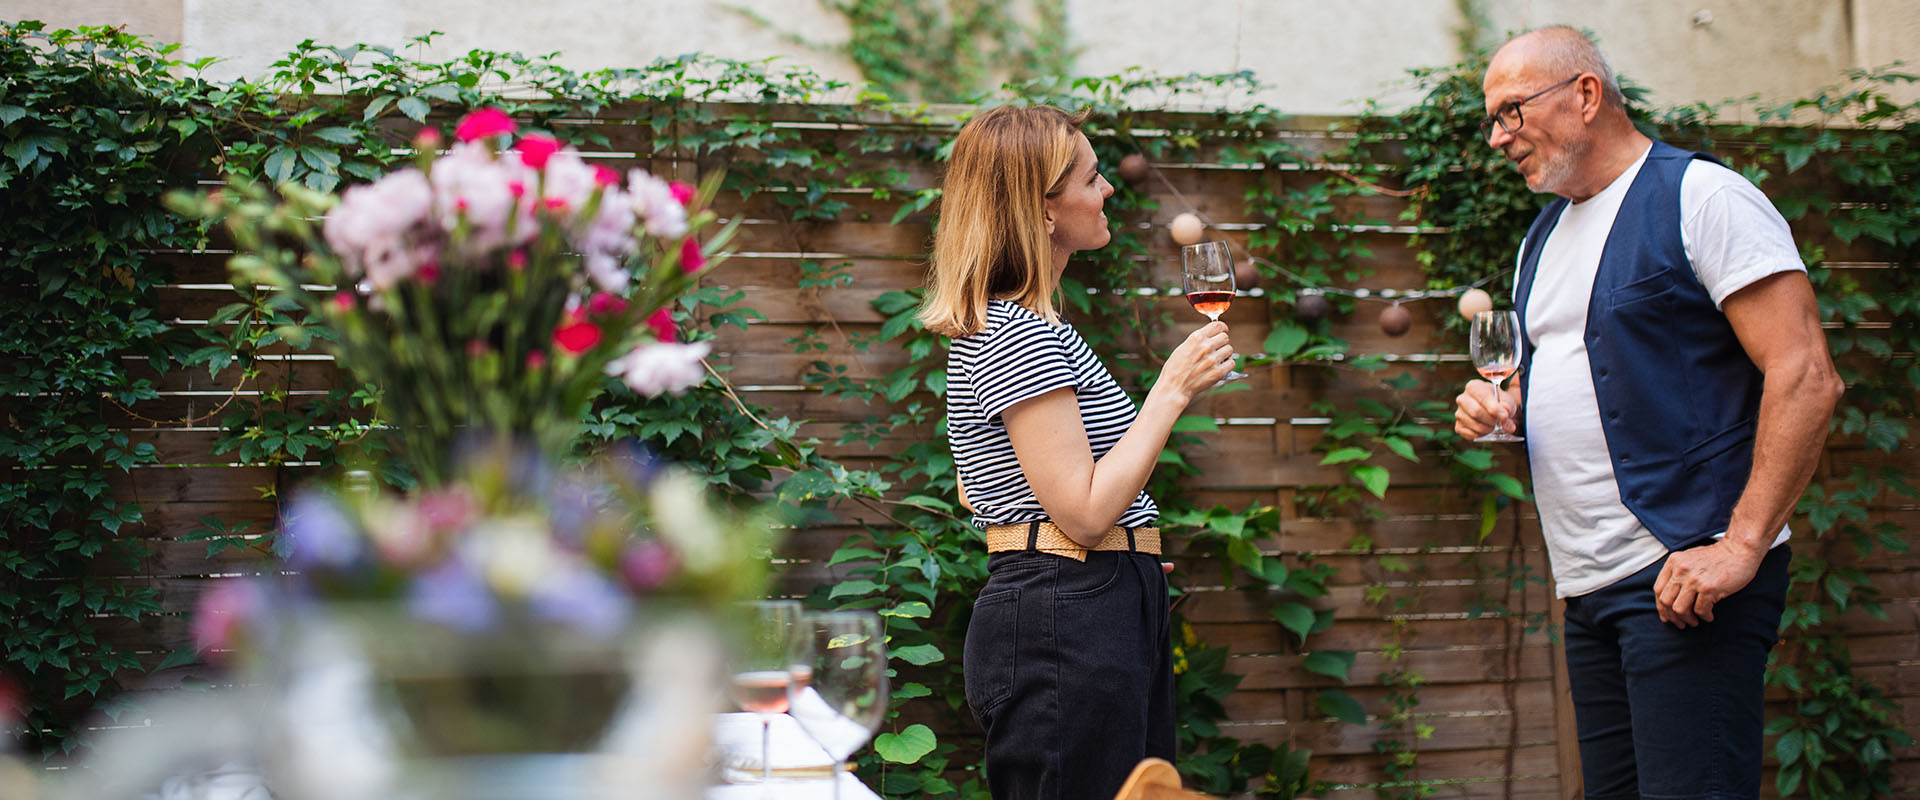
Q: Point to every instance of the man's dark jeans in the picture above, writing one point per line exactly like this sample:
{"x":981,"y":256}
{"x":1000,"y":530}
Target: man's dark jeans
{"x":1069,"y":667}
{"x":1670,"y":713}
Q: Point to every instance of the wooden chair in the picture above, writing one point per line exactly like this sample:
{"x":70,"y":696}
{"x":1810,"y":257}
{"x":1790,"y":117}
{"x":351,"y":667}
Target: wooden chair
{"x":1155,"y":779}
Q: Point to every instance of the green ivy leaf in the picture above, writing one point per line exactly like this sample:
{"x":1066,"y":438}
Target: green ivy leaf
{"x":918,"y":655}
{"x":1295,"y":617}
{"x":912,"y":609}
{"x":1508,"y":486}
{"x":337,"y":135}
{"x":415,"y":108}
{"x":1341,"y":706}
{"x":907,"y":746}
{"x":1191,"y":423}
{"x":1344,"y":455}
{"x":1331,"y":663}
{"x":1286,"y":339}
{"x":1374,"y":477}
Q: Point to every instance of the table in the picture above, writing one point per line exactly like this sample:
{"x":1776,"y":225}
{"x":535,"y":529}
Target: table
{"x":800,"y":766}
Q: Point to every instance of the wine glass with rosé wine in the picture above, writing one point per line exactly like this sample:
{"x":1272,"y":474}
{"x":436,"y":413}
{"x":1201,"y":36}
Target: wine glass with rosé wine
{"x":1206,"y":274}
{"x":1497,"y":347}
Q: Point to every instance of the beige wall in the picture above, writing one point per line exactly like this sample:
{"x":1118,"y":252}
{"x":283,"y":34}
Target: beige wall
{"x":1320,"y":56}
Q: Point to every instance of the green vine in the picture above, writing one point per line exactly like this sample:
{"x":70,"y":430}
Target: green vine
{"x":91,"y":183}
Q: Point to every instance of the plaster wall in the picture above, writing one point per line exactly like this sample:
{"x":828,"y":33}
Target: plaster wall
{"x":1317,"y":57}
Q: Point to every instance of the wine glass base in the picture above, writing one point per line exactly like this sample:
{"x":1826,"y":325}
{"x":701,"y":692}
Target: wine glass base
{"x":1232,"y":376}
{"x":1501,"y":436}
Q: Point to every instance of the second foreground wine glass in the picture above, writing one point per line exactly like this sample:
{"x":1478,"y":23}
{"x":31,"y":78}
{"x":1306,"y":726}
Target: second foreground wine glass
{"x":1497,"y":348}
{"x":1206,"y":273}
{"x":762,"y":670}
{"x":847,"y":699}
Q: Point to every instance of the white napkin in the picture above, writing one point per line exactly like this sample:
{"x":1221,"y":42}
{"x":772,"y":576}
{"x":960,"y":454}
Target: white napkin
{"x":839,"y":736}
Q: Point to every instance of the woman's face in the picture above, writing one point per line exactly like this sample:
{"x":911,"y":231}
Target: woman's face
{"x":1075,"y":219}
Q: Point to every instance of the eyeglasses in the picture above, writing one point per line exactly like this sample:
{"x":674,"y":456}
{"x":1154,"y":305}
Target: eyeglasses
{"x":1508,"y":114}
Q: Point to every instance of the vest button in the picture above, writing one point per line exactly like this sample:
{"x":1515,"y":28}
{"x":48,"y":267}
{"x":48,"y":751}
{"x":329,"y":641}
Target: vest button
{"x":1626,"y":459}
{"x":1613,"y":415}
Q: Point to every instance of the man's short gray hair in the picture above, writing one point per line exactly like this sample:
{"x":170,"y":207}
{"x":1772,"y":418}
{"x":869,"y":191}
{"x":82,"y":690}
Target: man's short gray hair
{"x":1566,"y":51}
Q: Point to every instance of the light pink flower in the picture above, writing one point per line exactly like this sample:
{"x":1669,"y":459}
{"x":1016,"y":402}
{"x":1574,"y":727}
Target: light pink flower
{"x":653,"y":201}
{"x":470,"y":184}
{"x":222,"y":611}
{"x":373,"y":229}
{"x":484,"y":123}
{"x":658,"y":368}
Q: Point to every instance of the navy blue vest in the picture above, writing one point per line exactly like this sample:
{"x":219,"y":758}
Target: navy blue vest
{"x":1679,"y":398}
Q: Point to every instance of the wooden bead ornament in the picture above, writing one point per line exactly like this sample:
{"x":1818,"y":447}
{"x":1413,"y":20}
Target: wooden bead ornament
{"x":1311,"y":306}
{"x":1474,"y":301}
{"x":1395,"y":321}
{"x":1186,"y":229}
{"x":1133,"y":169}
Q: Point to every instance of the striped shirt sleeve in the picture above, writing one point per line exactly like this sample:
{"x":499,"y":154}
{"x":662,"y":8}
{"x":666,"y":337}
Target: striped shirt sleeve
{"x":1021,"y":359}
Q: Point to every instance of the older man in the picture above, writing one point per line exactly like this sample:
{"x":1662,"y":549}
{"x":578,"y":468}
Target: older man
{"x":1675,"y":401}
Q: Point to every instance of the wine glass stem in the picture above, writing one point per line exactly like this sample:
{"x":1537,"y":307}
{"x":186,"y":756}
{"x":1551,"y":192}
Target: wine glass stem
{"x":766,"y":750}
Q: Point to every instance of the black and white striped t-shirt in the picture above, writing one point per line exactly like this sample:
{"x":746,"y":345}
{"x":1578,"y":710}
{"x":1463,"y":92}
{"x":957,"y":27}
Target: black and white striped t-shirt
{"x":1016,"y":357}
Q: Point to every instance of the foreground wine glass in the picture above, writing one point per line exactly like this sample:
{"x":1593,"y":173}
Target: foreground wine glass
{"x":847,"y":698}
{"x":762,"y":670}
{"x":1497,"y":347}
{"x":1206,"y":273}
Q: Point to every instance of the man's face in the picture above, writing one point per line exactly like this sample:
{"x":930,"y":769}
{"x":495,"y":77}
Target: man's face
{"x":1550,"y":138}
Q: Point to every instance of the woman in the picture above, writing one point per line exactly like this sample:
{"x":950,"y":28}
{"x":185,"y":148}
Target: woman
{"x":1068,"y":657}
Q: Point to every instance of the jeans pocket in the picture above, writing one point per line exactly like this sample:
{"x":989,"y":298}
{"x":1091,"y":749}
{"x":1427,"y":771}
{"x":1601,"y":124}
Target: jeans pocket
{"x":1079,"y":581}
{"x":993,"y":638}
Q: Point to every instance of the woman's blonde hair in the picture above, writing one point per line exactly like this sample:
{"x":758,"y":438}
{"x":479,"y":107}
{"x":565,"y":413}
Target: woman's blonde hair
{"x":993,"y":242}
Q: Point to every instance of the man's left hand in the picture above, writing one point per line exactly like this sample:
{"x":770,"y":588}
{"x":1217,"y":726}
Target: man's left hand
{"x":1693,"y":580}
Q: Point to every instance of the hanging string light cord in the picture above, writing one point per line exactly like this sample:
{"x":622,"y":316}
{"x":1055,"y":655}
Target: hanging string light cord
{"x":1383,"y":295}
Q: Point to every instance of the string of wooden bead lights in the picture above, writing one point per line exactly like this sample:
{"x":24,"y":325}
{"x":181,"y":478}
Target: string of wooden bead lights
{"x":1311,"y":302}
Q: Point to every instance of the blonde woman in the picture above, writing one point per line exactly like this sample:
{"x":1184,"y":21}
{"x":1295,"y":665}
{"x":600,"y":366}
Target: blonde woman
{"x":1068,"y":657}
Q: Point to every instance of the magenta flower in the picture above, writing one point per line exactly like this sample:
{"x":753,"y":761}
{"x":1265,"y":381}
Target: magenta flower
{"x":576,"y":336}
{"x":663,"y":328}
{"x":536,"y":149}
{"x":647,"y":565}
{"x":484,"y":123}
{"x":602,"y":303}
{"x":691,"y":259}
{"x":682,"y":192}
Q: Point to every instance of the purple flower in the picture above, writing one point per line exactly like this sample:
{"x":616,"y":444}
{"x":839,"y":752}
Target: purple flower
{"x":583,"y":599}
{"x":318,"y":534}
{"x":647,"y":565}
{"x":453,"y":595}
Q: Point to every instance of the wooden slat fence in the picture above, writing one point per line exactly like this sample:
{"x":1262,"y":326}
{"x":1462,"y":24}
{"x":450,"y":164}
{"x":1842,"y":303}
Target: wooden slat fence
{"x":1493,"y":695}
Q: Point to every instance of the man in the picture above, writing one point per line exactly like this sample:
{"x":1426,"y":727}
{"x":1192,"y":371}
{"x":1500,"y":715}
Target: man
{"x":1674,"y":400}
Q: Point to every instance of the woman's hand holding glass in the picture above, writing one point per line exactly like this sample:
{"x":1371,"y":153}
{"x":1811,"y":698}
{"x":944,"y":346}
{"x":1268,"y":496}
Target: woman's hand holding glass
{"x":1201,"y":362}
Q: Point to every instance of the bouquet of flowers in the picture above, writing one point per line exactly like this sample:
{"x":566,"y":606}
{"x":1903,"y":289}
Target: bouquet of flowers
{"x":486,"y":289}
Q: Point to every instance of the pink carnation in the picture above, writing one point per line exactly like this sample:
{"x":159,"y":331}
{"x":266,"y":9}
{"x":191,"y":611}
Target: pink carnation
{"x":535,"y":150}
{"x":602,"y":303}
{"x":604,"y":175}
{"x":576,"y":336}
{"x":484,"y":123}
{"x":691,"y":259}
{"x":661,"y":321}
{"x":682,"y":192}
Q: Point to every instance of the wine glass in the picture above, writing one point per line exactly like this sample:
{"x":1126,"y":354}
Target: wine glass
{"x":1206,"y":273}
{"x":1497,"y":348}
{"x":762,"y":670}
{"x":847,"y":698}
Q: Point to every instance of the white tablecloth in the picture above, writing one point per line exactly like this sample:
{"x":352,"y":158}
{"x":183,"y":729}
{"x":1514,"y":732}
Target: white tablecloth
{"x":799,"y":764}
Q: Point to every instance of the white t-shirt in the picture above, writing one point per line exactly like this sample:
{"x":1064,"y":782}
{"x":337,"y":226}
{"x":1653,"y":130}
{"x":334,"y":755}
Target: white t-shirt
{"x":1733,"y":236}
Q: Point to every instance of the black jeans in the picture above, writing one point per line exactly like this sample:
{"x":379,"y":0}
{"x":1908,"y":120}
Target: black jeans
{"x":1670,"y":713}
{"x":1069,"y":667}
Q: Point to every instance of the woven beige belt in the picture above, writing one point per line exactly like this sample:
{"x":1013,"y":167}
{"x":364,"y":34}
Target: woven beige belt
{"x":1047,"y":537}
